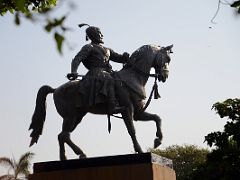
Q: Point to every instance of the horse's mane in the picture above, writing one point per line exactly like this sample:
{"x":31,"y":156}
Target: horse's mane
{"x":138,"y":53}
{"x":141,"y":53}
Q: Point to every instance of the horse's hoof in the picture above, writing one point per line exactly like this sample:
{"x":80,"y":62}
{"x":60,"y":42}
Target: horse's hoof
{"x":138,"y":149}
{"x":157,"y":142}
{"x":82,"y":156}
{"x":63,"y":157}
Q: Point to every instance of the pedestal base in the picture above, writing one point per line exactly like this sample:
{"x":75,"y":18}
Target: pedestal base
{"x":144,"y":166}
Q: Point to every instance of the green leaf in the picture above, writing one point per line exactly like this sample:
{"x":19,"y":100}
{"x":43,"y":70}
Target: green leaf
{"x":54,"y":23}
{"x":52,"y":2}
{"x":235,"y":4}
{"x":59,"y":41}
{"x":17,"y":19}
{"x":11,"y":10}
{"x":21,"y":5}
{"x":59,"y":22}
{"x":48,"y":27}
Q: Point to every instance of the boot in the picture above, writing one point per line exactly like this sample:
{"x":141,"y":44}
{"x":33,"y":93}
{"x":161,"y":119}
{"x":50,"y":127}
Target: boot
{"x":113,"y":108}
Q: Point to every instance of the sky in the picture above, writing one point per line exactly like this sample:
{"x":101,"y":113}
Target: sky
{"x":204,"y":69}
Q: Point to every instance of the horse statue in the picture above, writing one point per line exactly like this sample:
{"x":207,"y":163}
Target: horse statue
{"x":130,"y":93}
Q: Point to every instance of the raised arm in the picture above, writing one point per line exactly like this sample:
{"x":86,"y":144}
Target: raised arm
{"x":119,"y":58}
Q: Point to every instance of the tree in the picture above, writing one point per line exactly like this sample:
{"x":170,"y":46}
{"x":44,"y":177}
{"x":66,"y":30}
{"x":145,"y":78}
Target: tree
{"x":35,"y":10}
{"x":185,"y":158}
{"x":224,"y":160}
{"x":235,"y":5}
{"x":19,"y":169}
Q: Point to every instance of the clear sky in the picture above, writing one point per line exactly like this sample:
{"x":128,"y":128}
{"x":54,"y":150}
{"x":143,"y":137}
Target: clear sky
{"x":204,"y":69}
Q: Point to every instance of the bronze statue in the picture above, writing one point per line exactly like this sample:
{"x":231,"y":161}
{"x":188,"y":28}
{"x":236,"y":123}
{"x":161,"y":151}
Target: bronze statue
{"x":129,"y":85}
{"x":98,"y":85}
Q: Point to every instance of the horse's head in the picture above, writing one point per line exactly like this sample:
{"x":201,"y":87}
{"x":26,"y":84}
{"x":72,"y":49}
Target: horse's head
{"x":161,"y":63}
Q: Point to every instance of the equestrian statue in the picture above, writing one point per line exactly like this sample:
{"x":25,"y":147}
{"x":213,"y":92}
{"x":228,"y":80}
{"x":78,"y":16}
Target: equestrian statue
{"x":104,"y":91}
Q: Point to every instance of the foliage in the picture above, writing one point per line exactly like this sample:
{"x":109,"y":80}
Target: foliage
{"x":236,"y":4}
{"x":224,"y":161}
{"x":231,"y":109}
{"x":26,"y":6}
{"x":34,"y":9}
{"x":18,"y":168}
{"x":185,"y":158}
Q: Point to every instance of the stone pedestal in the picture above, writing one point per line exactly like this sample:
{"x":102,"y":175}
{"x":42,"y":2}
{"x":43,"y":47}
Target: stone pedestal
{"x":145,"y":166}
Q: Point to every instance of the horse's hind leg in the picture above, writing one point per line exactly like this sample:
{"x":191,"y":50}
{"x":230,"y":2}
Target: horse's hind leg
{"x":69,"y":124}
{"x":66,"y":138}
{"x":145,"y":116}
{"x":61,"y":146}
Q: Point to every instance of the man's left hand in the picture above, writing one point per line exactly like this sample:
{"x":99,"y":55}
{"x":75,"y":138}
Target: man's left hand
{"x":126,"y":57}
{"x":72,"y":76}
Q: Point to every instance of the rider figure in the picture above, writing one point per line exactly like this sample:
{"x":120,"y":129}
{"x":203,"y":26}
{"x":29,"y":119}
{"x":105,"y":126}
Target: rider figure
{"x":98,"y":84}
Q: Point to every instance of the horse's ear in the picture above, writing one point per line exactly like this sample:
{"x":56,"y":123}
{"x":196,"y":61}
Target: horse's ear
{"x":169,"y":48}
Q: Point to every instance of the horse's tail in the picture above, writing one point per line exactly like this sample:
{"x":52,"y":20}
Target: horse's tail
{"x":39,"y":114}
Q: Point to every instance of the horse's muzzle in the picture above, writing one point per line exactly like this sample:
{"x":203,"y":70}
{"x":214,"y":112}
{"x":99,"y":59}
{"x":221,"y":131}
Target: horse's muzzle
{"x":165,"y":72}
{"x":163,"y":76}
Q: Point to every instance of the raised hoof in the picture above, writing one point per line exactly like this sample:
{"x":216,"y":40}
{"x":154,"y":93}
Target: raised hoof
{"x":82,"y":156}
{"x":157,"y":142}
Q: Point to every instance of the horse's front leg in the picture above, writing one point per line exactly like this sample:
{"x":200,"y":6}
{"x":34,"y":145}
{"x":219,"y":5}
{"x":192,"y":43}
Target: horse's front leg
{"x":128,"y":120}
{"x":145,"y":116}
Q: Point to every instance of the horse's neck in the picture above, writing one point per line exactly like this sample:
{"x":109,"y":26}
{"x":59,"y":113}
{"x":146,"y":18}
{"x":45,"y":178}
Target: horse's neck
{"x":140,"y":64}
{"x":142,"y":74}
{"x":142,"y":69}
{"x":137,"y":72}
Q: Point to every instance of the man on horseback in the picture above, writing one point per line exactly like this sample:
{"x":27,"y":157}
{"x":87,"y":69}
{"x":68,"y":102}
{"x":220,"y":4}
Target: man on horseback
{"x":98,"y":85}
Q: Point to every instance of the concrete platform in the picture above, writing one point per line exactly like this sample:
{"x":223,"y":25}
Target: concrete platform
{"x":145,"y":166}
